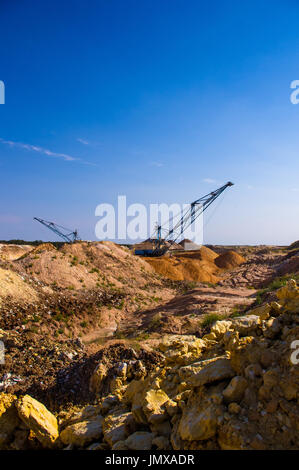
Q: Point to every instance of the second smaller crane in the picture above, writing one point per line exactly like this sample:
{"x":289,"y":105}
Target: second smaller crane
{"x":66,"y":234}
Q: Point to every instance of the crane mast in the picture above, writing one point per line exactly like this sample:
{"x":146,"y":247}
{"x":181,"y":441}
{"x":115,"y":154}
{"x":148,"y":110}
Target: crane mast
{"x":66,"y":234}
{"x":162,"y":245}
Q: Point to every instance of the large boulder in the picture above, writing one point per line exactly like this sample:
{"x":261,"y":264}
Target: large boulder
{"x":199,"y":419}
{"x":263,"y":311}
{"x":38,"y":419}
{"x":140,"y":440}
{"x":246,"y":325}
{"x":235,"y":390}
{"x":289,"y":297}
{"x":207,"y":371}
{"x":96,"y":380}
{"x":153,"y":403}
{"x":118,"y":426}
{"x":82,"y":433}
{"x":220,"y":327}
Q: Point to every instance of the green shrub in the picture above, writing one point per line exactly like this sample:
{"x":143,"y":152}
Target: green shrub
{"x":209,"y":319}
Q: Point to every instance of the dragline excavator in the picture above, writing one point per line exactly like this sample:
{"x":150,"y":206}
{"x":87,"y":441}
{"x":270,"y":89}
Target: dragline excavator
{"x":66,"y":234}
{"x":162,"y":244}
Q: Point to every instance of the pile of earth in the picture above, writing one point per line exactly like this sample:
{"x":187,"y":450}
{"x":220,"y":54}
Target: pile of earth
{"x":229,"y":260}
{"x":84,"y":264}
{"x":203,"y":265}
{"x":294,"y":245}
{"x":15,"y":286}
{"x":235,"y":388}
{"x":83,"y":289}
{"x":10,"y":251}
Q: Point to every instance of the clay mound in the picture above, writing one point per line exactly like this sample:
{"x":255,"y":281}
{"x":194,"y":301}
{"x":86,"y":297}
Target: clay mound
{"x":14,"y":286}
{"x":198,"y":266}
{"x":84,"y":265}
{"x":11,"y":252}
{"x":43,"y":247}
{"x":229,"y":260}
{"x":204,"y":254}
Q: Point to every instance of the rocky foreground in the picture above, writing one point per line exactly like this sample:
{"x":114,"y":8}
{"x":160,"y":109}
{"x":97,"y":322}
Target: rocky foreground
{"x":235,"y":388}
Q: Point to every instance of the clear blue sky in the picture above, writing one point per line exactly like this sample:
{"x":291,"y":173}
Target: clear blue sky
{"x":160,"y":100}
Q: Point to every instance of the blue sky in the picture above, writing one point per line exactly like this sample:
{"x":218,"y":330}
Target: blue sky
{"x":162,"y":101}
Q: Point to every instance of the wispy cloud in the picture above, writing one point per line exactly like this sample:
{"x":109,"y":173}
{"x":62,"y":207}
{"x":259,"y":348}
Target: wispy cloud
{"x":209,"y":181}
{"x":296,"y":190}
{"x":44,"y":151}
{"x":83,"y":141}
{"x":157,"y":164}
{"x":41,"y":150}
{"x":88,"y":143}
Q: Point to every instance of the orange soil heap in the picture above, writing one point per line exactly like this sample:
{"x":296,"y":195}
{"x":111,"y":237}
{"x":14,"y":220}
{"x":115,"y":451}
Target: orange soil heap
{"x":199,"y":266}
{"x":229,"y":260}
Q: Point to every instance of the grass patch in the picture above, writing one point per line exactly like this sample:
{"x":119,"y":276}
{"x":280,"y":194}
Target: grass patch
{"x":209,"y":319}
{"x":274,"y":285}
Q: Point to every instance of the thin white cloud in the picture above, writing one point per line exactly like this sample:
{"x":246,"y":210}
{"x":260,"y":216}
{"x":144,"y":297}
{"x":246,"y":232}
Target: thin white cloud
{"x":83,"y":141}
{"x":88,"y":143}
{"x":157,"y":164}
{"x":209,"y":180}
{"x":41,"y":150}
{"x":296,"y":190}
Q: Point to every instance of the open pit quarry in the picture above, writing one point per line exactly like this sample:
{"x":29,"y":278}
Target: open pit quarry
{"x":105,"y":350}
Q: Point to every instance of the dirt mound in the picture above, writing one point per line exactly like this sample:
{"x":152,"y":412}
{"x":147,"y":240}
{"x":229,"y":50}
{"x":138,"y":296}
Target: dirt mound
{"x":289,"y":266}
{"x":84,"y":265}
{"x":229,"y":260}
{"x":197,"y":266}
{"x":72,"y":383}
{"x":11,"y":252}
{"x":294,"y":245}
{"x":15,"y":286}
{"x":43,"y":247}
{"x":204,"y":254}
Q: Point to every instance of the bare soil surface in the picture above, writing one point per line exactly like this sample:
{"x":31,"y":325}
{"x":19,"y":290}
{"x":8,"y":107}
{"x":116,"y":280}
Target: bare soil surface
{"x":62,"y":307}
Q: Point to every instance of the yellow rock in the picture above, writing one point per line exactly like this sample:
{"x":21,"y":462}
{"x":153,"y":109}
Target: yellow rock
{"x":38,"y":419}
{"x":139,"y":441}
{"x":182,"y":349}
{"x":153,"y":401}
{"x":220,"y":327}
{"x":210,"y":337}
{"x":9,"y":418}
{"x":97,"y":377}
{"x":263,"y":311}
{"x":246,"y":325}
{"x":235,"y":390}
{"x":115,"y":426}
{"x":289,"y":297}
{"x":199,"y":420}
{"x":83,"y":433}
{"x":207,"y":371}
